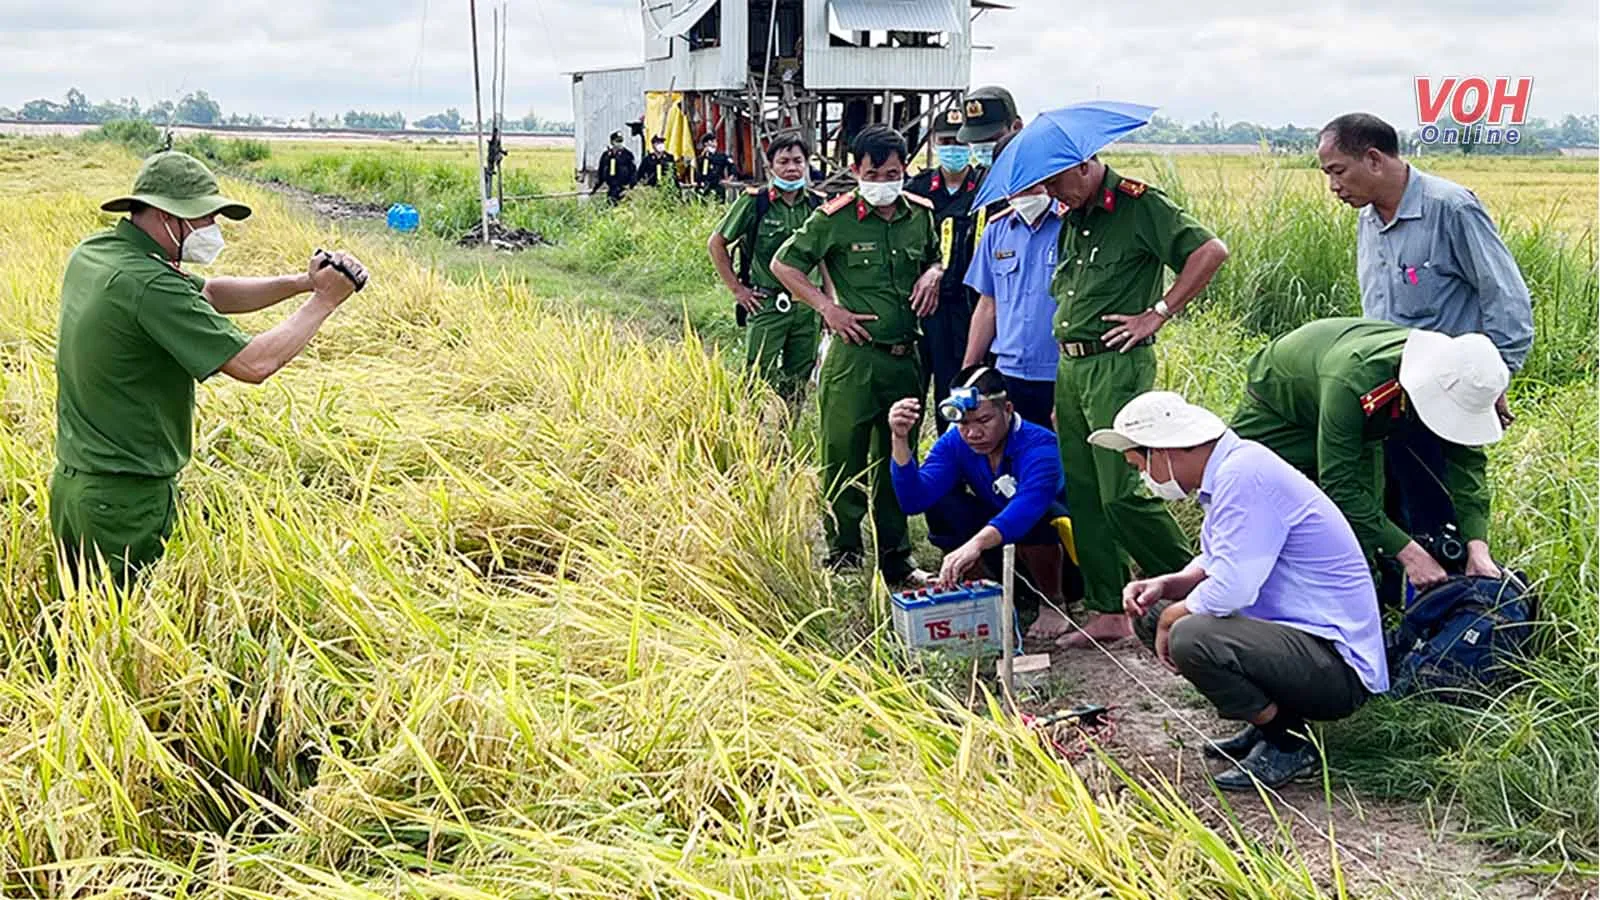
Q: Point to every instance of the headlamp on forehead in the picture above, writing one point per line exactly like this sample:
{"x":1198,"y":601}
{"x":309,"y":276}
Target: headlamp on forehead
{"x":965,"y":399}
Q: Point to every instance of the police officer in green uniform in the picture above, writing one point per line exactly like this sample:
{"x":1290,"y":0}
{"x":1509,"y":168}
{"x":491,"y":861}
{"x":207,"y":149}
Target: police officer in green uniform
{"x":137,"y":331}
{"x":1115,"y":242}
{"x":1327,"y":395}
{"x":782,"y":340}
{"x":882,"y":251}
{"x":950,"y":187}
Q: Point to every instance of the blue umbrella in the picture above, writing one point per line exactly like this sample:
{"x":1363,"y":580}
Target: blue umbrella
{"x":1056,"y":141}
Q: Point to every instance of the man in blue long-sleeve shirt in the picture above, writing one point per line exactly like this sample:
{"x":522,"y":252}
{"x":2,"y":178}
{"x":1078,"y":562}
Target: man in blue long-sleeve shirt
{"x":1276,"y":621}
{"x":994,"y":479}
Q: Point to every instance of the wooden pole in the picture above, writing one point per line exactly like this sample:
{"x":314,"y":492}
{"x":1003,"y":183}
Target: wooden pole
{"x":477,"y":96}
{"x":1008,"y":639}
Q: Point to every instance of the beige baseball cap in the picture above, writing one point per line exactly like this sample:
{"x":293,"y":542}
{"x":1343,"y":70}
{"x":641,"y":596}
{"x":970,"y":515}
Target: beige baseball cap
{"x":1162,"y":420}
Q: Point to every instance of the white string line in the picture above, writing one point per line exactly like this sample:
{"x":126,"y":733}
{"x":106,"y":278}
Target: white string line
{"x":1175,"y":713}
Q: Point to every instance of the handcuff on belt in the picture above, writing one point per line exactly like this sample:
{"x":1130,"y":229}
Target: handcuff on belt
{"x":781,"y":303}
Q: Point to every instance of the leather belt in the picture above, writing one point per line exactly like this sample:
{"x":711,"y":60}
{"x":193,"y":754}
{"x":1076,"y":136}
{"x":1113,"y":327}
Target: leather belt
{"x":1080,"y":349}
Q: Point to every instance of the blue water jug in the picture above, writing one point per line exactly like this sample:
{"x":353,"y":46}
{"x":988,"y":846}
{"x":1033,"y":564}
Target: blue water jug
{"x":403,"y":217}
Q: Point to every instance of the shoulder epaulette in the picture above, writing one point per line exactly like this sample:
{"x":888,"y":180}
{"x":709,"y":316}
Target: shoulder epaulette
{"x":837,"y":203}
{"x":919,"y":200}
{"x":1378,"y":397}
{"x":1131,"y":187}
{"x":754,"y":190}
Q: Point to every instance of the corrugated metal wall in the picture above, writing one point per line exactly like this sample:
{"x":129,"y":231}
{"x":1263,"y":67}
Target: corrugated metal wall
{"x":922,"y":69}
{"x":713,"y":68}
{"x":603,"y":101}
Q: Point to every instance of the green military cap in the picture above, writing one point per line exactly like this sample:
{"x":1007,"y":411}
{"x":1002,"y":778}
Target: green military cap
{"x":949,"y":121}
{"x":179,"y":184}
{"x":987,"y":112}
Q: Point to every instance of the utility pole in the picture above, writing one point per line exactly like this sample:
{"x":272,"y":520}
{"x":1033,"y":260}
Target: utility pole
{"x":477,"y":95}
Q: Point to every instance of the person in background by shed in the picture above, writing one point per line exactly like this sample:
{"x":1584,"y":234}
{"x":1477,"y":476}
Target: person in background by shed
{"x":615,"y":170}
{"x":658,"y":166}
{"x":712,"y":167}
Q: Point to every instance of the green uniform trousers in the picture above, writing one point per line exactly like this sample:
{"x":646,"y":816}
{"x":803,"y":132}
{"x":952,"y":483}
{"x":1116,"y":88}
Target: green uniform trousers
{"x":123,"y":519}
{"x":858,"y":384}
{"x":1111,"y":519}
{"x":782,"y":348}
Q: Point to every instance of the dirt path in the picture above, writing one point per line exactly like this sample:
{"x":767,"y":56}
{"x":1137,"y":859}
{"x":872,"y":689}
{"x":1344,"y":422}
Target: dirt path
{"x":1386,"y":848}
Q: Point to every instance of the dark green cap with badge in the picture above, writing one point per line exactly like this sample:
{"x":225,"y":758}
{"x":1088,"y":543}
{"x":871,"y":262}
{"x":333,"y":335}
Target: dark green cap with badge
{"x":987,"y":111}
{"x":178,"y":184}
{"x":949,"y":121}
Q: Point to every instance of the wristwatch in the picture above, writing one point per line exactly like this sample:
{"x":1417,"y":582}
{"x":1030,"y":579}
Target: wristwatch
{"x":1162,"y":309}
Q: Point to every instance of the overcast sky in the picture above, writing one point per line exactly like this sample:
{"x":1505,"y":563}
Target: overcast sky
{"x":1261,"y":61}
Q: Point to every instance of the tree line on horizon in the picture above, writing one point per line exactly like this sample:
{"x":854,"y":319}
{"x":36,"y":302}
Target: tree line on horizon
{"x":199,"y":108}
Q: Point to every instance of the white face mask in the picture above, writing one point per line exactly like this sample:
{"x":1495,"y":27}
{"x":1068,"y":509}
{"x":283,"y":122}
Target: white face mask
{"x":201,"y":246}
{"x":880,"y":193}
{"x":1168,"y":490}
{"x":1031,"y":206}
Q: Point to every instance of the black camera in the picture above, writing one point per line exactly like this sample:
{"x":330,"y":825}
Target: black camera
{"x":1447,"y":548}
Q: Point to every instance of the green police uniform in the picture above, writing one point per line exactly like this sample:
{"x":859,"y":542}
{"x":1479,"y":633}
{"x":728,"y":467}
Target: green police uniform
{"x":1324,"y":397}
{"x":1111,"y":259}
{"x":874,"y":264}
{"x":135,"y":335}
{"x":782,"y":341}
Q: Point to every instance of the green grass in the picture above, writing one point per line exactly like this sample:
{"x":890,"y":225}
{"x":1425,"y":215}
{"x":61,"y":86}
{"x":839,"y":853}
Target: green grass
{"x":482,"y":598}
{"x":474,"y":499}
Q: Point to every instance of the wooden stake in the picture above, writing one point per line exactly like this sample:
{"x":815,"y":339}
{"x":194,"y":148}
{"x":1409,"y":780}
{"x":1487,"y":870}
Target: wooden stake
{"x":477,"y":96}
{"x":1008,"y":607}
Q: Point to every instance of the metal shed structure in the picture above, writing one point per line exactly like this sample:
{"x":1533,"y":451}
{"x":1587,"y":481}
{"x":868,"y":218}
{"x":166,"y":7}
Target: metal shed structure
{"x":747,"y":69}
{"x":603,"y":101}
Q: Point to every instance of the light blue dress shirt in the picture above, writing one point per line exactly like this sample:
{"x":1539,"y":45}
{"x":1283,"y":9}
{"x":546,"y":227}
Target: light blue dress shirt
{"x":1275,"y":548}
{"x":1441,"y":265}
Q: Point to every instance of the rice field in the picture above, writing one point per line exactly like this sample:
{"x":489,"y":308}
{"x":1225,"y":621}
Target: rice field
{"x":456,"y":609}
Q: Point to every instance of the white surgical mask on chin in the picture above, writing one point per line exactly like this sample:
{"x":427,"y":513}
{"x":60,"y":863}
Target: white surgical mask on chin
{"x":1168,"y":490}
{"x":1031,"y":206}
{"x":201,"y":246}
{"x":880,"y":193}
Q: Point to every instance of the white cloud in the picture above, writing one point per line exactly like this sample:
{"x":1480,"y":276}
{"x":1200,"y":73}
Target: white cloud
{"x":1258,"y":60}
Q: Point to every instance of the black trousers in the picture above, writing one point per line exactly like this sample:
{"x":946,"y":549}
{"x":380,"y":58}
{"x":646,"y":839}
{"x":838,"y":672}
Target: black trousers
{"x":943,"y":345}
{"x":1414,"y":496}
{"x":1034,"y":400}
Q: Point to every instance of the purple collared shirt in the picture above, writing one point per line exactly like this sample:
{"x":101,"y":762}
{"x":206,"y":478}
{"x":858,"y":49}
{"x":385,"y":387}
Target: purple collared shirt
{"x":1275,"y":548}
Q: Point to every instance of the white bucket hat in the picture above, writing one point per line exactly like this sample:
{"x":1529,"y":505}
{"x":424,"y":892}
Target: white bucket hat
{"x":1162,"y":420}
{"x":1453,"y":382}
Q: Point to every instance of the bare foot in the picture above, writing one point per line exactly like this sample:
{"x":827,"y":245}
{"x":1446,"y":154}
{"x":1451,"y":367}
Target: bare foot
{"x":1050,"y":625}
{"x":1105,"y":628}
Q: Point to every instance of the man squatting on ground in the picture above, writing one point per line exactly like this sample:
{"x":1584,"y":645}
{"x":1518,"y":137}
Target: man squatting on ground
{"x":1276,"y":621}
{"x":994,"y":479}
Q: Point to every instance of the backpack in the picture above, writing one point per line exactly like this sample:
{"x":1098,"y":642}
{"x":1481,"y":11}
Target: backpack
{"x":1460,"y":637}
{"x":747,"y":244}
